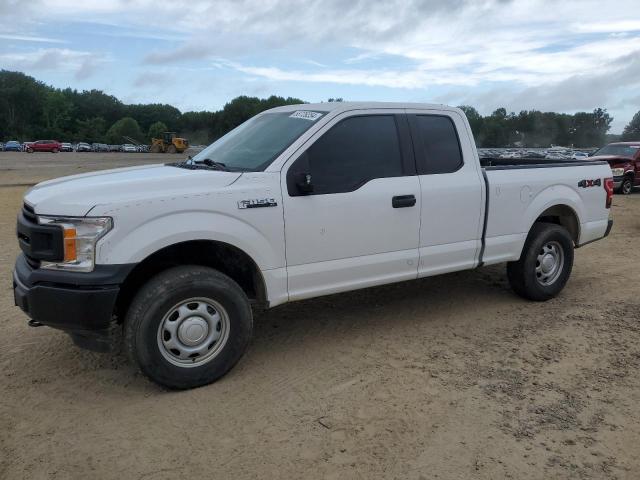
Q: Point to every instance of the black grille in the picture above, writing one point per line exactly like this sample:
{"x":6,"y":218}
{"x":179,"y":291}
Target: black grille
{"x":38,"y":242}
{"x":29,"y":213}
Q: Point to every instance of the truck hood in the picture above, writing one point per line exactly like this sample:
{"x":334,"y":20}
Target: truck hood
{"x":76,"y":195}
{"x":612,"y":160}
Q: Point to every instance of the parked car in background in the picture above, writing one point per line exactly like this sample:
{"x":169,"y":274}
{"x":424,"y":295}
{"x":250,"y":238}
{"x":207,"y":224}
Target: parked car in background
{"x":624,"y":160}
{"x":83,"y":147}
{"x":12,"y":146}
{"x":580,"y":155}
{"x":66,"y":147}
{"x":53,"y":146}
{"x":115,"y":148}
{"x":128,"y":147}
{"x":99,"y":147}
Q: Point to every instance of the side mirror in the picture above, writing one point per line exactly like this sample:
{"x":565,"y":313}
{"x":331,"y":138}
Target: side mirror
{"x":304,"y":184}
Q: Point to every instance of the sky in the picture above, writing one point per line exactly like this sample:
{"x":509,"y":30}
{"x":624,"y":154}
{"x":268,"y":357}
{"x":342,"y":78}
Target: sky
{"x":565,"y":56}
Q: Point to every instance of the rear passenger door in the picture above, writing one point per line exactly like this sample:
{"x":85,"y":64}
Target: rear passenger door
{"x":360,"y":224}
{"x":451,"y":192}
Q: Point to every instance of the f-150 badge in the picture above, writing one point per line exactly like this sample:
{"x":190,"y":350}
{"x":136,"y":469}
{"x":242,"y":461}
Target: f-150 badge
{"x":257,"y":203}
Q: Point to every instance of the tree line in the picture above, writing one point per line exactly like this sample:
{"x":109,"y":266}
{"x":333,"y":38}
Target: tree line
{"x":30,"y":110}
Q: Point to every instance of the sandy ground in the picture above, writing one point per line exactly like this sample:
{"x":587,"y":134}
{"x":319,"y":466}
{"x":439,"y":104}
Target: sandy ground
{"x":451,"y":377}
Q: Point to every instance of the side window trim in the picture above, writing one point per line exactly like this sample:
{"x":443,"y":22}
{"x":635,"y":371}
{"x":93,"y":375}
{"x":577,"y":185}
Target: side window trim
{"x":409,"y":167}
{"x":418,"y":143}
{"x":407,"y":158}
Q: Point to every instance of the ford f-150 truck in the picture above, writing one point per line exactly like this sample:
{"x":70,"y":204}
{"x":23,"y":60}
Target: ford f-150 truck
{"x":297,"y":202}
{"x":624,"y":160}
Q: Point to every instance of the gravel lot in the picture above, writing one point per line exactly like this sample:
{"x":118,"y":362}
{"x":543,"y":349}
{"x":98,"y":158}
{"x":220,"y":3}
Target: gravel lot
{"x":447,"y":377}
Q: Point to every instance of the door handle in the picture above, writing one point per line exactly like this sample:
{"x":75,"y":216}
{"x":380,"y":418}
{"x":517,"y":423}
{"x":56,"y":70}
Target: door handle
{"x":403,"y":201}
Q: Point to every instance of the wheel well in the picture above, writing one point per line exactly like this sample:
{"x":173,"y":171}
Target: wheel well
{"x":225,"y":258}
{"x":564,"y":216}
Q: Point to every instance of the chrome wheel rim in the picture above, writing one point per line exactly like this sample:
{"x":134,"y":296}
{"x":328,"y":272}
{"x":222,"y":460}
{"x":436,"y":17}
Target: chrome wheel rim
{"x":193,"y":332}
{"x":549,"y":263}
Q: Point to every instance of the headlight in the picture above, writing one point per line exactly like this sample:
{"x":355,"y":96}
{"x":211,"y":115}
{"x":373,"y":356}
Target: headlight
{"x":617,"y":172}
{"x":80,"y":236}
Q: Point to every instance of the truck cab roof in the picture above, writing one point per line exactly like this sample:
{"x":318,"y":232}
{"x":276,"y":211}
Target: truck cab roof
{"x":337,"y":107}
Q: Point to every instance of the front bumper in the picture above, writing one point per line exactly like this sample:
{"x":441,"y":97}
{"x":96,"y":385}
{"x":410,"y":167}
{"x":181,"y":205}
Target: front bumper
{"x":81,"y":304}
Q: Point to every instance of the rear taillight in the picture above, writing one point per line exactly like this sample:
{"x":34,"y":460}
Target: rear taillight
{"x":608,"y":187}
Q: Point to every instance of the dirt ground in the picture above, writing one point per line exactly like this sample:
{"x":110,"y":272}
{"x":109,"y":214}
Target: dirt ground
{"x":451,"y":377}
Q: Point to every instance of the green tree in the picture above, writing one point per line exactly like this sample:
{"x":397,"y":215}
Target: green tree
{"x":147,"y":114}
{"x":475,"y":121}
{"x":21,"y":104}
{"x":632,"y":131}
{"x":57,"y":114}
{"x":90,"y":130}
{"x":156,"y":129}
{"x":125,"y":127}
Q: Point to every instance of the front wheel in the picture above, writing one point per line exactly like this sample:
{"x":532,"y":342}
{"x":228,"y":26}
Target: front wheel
{"x":188,"y":326}
{"x":627,"y":186}
{"x":545,"y":264}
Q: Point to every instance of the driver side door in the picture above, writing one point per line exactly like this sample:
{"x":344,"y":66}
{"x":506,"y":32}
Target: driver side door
{"x":352,"y":206}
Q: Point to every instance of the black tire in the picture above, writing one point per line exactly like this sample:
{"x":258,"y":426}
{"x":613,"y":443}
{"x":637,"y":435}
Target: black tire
{"x":627,"y":186}
{"x":172,"y":149}
{"x":524,"y":278}
{"x":155,"y":301}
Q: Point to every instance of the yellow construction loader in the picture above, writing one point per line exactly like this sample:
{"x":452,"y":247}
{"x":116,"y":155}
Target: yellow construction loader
{"x":169,"y":143}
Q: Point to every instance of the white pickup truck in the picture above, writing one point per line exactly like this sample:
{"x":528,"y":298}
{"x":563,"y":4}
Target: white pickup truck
{"x":297,"y":202}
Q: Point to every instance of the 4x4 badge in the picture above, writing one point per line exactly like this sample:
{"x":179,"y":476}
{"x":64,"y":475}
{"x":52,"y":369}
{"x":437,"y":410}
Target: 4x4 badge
{"x":257,"y":203}
{"x":590,"y":183}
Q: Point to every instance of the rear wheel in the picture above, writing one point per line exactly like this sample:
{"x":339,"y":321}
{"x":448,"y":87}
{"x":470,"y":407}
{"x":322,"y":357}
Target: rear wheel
{"x":545,"y":264}
{"x":172,"y":149}
{"x":55,"y":150}
{"x":155,"y":148}
{"x":188,"y":326}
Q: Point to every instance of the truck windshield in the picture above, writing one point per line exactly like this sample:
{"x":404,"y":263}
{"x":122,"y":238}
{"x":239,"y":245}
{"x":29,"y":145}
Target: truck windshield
{"x":618,"y":150}
{"x":252,"y":146}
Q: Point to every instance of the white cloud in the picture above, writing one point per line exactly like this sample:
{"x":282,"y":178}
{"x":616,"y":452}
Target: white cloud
{"x":537,"y":52}
{"x":80,"y":63}
{"x":29,"y":38}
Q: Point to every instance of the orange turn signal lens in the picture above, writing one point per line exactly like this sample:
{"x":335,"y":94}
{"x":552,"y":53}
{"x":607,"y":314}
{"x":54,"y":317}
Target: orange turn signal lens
{"x":70,"y":253}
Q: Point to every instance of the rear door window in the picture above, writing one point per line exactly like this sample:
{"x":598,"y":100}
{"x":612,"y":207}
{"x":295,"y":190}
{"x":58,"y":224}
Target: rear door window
{"x":437,"y":145}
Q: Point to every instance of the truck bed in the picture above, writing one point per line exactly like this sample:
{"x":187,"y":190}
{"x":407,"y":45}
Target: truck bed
{"x":491,"y":163}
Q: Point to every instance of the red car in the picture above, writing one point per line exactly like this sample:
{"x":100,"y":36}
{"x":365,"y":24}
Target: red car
{"x":624,"y":159}
{"x":44,"y":146}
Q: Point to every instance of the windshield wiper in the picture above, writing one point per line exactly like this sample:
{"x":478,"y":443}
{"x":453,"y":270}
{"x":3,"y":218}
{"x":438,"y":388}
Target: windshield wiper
{"x":206,"y":164}
{"x":213,"y":164}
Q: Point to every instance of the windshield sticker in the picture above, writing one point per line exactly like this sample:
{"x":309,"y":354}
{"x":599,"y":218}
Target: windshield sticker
{"x":306,"y":115}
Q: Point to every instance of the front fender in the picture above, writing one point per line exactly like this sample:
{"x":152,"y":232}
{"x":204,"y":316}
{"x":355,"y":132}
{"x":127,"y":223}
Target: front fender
{"x":131,"y":245}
